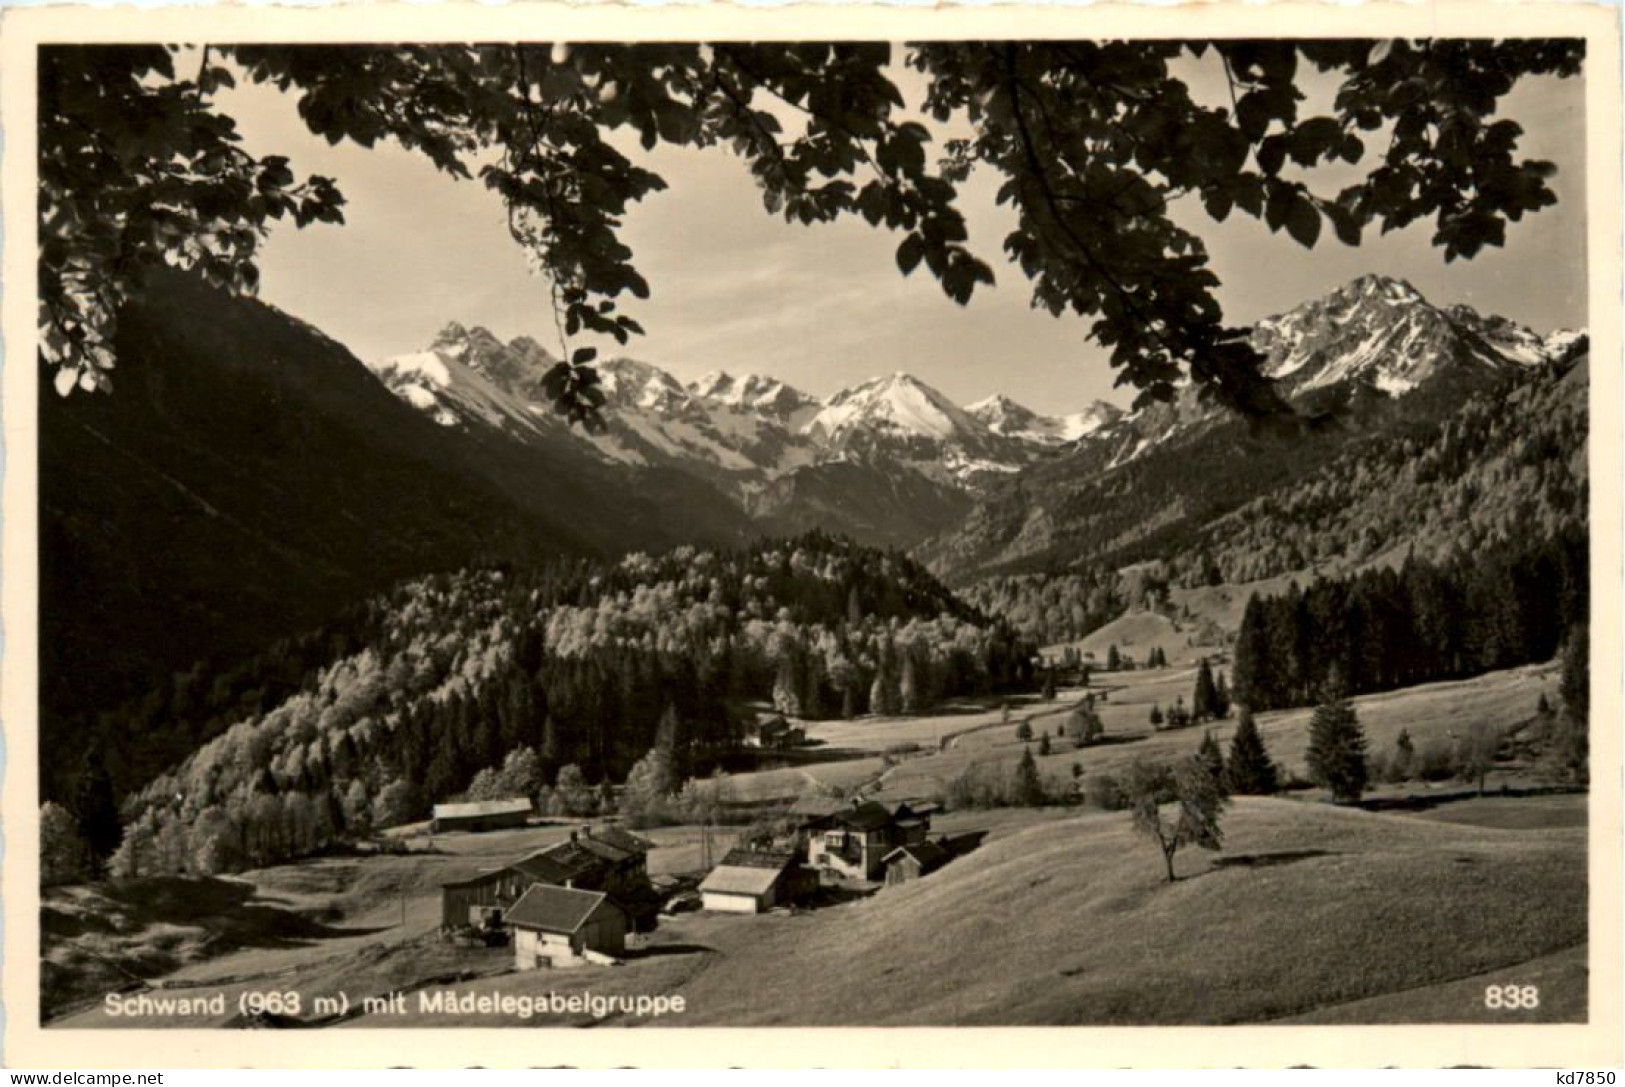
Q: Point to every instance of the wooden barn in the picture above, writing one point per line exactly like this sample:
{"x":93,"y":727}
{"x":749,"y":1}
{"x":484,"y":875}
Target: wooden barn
{"x":908,"y":862}
{"x":562,"y":927}
{"x":750,"y":881}
{"x":480,"y":815}
{"x":478,"y":900}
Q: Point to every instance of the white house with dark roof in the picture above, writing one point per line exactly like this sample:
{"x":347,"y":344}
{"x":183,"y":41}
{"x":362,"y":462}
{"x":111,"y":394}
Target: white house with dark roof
{"x":562,"y":926}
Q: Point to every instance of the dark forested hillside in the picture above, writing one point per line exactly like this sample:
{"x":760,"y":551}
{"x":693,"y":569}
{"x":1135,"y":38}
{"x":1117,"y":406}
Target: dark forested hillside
{"x":1508,"y":463}
{"x":574,"y":665}
{"x":1445,"y":471}
{"x":248,"y":478}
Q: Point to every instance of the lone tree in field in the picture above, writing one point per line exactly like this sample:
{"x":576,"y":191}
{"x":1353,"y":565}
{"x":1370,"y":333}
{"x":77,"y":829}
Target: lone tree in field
{"x":1475,"y":753}
{"x":1083,"y":727}
{"x":1249,"y":771}
{"x":1197,"y":798}
{"x":1156,"y":715}
{"x":1024,"y":731}
{"x":1402,"y":764}
{"x":1336,"y":755}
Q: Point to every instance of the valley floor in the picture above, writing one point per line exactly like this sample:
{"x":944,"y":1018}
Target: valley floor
{"x":1311,"y":913}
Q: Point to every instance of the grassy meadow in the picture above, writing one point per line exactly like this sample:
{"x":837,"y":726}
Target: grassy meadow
{"x":1060,"y":916}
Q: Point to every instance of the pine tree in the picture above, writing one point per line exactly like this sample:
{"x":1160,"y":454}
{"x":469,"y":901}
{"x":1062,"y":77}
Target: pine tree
{"x":1208,"y":753}
{"x":1336,"y":757}
{"x":787,"y":681}
{"x":1252,"y":658}
{"x":1156,"y":715}
{"x":884,"y":698}
{"x":1249,"y":771}
{"x":1048,"y":692}
{"x":1202,"y":699}
{"x":96,"y":807}
{"x":1114,"y":660}
{"x":1027,"y":790}
{"x":1575,"y":684}
{"x":908,"y":687}
{"x":1043,"y":744}
{"x":1024,"y":731}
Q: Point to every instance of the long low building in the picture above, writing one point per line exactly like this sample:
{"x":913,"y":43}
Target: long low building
{"x":479,"y":815}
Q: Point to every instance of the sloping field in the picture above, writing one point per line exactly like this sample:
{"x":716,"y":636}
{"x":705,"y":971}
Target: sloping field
{"x":1309,"y":907}
{"x":1137,"y":631}
{"x":1435,"y":711}
{"x":312,"y":920}
{"x":1560,"y":980}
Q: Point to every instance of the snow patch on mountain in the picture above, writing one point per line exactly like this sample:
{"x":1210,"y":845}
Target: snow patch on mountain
{"x":1005,"y":416}
{"x":899,"y":403}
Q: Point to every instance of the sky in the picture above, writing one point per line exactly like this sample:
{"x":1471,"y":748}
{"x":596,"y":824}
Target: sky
{"x":821,"y":307}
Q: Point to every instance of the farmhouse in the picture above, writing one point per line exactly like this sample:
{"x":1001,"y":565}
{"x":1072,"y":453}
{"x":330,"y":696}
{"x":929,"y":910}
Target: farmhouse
{"x":606,"y":859}
{"x":562,"y":926}
{"x":750,"y":881}
{"x":774,"y":731}
{"x":854,"y":841}
{"x":908,"y":862}
{"x":480,"y":815}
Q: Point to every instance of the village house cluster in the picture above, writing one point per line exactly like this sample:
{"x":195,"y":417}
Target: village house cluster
{"x":578,"y":901}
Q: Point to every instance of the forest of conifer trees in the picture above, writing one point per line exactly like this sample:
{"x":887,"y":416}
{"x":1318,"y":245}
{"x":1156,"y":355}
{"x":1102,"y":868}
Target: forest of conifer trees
{"x":1385,"y":628}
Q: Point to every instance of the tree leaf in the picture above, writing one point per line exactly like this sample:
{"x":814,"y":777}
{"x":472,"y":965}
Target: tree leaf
{"x":1303,"y":222}
{"x":910,"y":253}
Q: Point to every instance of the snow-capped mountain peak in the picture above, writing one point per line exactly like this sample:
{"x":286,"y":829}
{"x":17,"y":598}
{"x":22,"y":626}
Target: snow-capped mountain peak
{"x":1005,"y":416}
{"x":899,"y":403}
{"x":753,"y":392}
{"x":468,"y":375}
{"x":1382,"y":331}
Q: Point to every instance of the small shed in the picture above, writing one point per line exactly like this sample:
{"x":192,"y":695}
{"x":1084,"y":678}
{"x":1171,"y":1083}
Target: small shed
{"x":480,"y":815}
{"x":562,"y":927}
{"x":748,"y":881}
{"x":908,"y":862}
